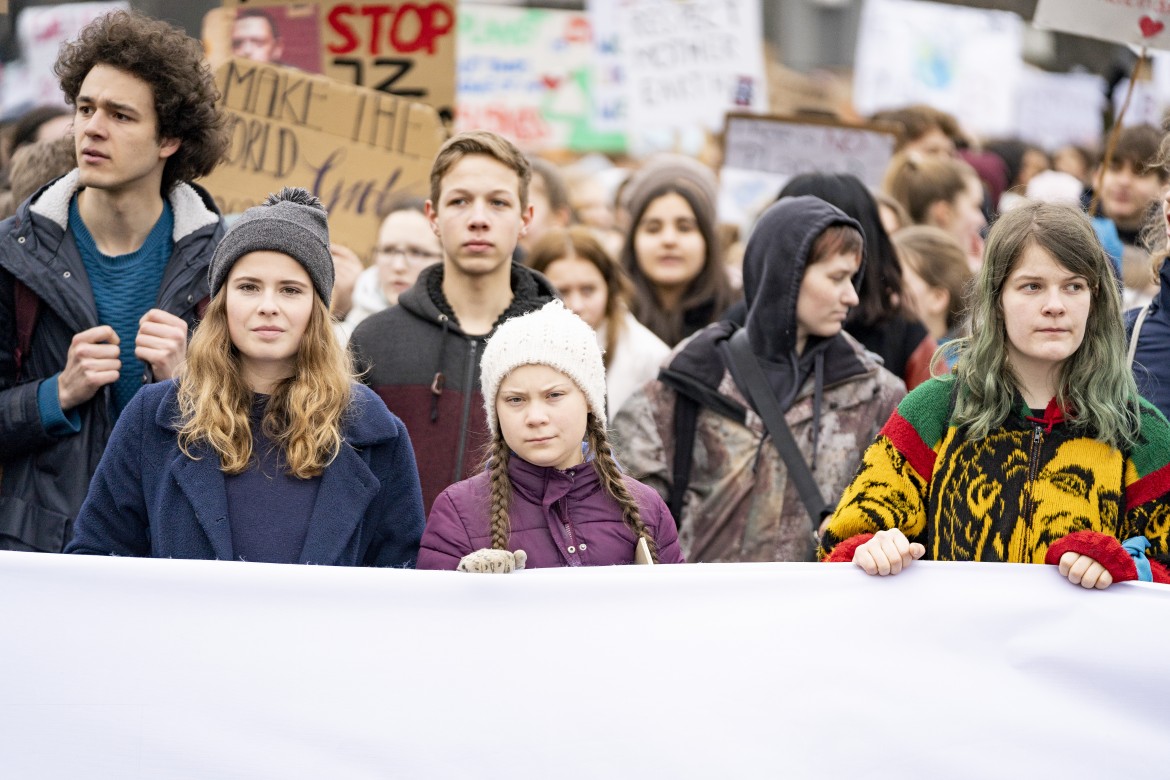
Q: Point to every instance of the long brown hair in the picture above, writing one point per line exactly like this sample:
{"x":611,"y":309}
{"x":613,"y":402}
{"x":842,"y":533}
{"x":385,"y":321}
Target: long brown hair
{"x":579,"y":243}
{"x":304,"y":414}
{"x":500,"y":492}
{"x":1094,"y":380}
{"x":709,"y":287}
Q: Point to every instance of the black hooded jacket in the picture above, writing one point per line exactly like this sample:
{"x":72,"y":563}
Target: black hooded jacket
{"x":726,"y":483}
{"x":774,"y":264}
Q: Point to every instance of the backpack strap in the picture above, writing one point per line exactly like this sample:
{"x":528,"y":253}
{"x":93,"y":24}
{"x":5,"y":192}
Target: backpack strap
{"x":768,"y":407}
{"x":686,"y":413}
{"x":1133,"y":336}
{"x":27,"y":304}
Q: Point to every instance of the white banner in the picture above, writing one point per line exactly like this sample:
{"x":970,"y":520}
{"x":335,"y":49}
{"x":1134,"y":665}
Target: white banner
{"x":116,"y":668}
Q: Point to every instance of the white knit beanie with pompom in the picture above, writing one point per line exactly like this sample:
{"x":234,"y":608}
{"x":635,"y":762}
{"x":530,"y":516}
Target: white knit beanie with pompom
{"x":551,"y":336}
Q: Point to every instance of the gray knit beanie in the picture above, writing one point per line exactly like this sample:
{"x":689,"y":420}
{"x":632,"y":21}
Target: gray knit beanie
{"x":677,"y":170}
{"x":550,"y":336}
{"x":292,"y":222}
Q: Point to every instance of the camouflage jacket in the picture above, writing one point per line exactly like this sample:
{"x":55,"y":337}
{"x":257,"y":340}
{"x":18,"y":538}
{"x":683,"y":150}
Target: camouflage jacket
{"x":740,"y":504}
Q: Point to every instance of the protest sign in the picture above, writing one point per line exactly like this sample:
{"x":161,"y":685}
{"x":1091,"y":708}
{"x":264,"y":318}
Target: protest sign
{"x":402,"y":49}
{"x":527,"y":74}
{"x":1054,"y":109}
{"x":217,"y":669}
{"x":610,"y":109}
{"x":761,"y":153}
{"x":965,"y":61}
{"x":40,"y":31}
{"x":1134,"y":22}
{"x":685,"y":63}
{"x":282,"y":35}
{"x":354,"y":148}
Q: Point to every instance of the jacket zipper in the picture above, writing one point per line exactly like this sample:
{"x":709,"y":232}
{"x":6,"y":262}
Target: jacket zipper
{"x":469,"y":386}
{"x":1033,"y":468}
{"x":568,"y":526}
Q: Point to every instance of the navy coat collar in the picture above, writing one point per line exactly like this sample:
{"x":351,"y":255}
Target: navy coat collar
{"x":347,"y":488}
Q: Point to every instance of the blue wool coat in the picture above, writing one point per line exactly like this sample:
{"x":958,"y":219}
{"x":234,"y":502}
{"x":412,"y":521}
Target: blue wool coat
{"x":148,"y":499}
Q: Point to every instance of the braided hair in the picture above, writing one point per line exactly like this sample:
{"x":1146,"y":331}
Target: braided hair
{"x":500,"y":491}
{"x":615,"y":486}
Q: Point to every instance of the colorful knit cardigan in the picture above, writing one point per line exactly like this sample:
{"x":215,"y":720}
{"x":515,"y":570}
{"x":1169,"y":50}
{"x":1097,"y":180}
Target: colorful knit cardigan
{"x":1009,"y":496}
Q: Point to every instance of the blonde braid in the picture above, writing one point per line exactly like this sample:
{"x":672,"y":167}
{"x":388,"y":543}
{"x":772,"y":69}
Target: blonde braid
{"x":611,"y":478}
{"x":500,"y":497}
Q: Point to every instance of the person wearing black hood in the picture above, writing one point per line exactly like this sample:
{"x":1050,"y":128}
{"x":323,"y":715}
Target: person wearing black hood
{"x":694,"y":435}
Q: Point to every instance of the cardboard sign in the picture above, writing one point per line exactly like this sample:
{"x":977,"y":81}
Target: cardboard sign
{"x":965,"y":61}
{"x":527,"y":74}
{"x":685,"y":64}
{"x":1134,"y":22}
{"x":354,"y":148}
{"x":402,"y":49}
{"x":761,"y":153}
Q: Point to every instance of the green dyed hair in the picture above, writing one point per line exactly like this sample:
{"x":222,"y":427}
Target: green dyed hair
{"x":1095,"y":381}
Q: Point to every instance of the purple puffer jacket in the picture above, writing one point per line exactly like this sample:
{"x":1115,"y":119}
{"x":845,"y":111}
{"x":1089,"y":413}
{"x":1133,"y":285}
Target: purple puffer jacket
{"x":559,"y":518}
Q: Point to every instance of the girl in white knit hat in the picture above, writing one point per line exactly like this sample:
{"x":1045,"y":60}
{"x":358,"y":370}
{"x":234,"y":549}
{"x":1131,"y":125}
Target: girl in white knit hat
{"x":552,"y":494}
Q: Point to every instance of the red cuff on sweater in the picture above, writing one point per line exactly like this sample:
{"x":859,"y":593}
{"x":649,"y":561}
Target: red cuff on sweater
{"x":843,"y":552}
{"x":1159,"y":571}
{"x":1102,"y":548}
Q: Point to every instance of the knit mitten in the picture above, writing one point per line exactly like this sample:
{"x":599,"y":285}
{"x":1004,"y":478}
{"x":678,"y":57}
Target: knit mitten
{"x":1122,"y":564}
{"x":488,"y":561}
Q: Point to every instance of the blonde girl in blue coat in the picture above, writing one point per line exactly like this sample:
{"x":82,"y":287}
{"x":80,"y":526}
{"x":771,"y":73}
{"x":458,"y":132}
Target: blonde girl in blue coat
{"x":266,"y":449}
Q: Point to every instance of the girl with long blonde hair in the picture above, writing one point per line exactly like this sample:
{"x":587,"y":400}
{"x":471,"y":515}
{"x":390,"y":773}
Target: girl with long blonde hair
{"x":265,"y":449}
{"x":552,"y":493}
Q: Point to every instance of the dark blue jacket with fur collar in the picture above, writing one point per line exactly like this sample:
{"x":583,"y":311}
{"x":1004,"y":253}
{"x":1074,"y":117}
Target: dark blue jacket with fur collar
{"x":148,"y":499}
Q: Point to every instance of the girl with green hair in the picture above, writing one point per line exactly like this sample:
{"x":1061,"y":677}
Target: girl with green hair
{"x":1036,"y":448}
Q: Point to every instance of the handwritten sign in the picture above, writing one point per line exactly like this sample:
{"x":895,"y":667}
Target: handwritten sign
{"x":687,"y":62}
{"x":406,"y":49}
{"x":527,"y":74}
{"x":1135,"y":22}
{"x":966,"y":61}
{"x":761,"y":153}
{"x":355,"y":148}
{"x":1054,"y":109}
{"x":40,"y":31}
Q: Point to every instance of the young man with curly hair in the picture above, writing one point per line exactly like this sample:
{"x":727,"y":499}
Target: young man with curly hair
{"x":103,"y":271}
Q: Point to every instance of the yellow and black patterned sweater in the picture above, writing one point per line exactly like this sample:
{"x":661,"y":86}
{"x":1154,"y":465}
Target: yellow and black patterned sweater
{"x":1009,"y":496}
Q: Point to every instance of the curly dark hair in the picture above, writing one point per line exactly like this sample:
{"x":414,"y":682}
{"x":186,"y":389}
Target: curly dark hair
{"x":172,"y":64}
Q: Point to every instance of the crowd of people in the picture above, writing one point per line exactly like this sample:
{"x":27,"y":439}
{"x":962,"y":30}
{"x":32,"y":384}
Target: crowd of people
{"x":549,"y":367}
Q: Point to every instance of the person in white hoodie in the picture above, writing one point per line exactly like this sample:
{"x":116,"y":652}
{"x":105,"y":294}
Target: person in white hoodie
{"x":406,"y":245}
{"x":595,"y":288}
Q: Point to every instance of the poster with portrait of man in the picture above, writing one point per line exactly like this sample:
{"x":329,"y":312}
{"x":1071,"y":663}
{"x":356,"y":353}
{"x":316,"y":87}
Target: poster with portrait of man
{"x":279,"y":35}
